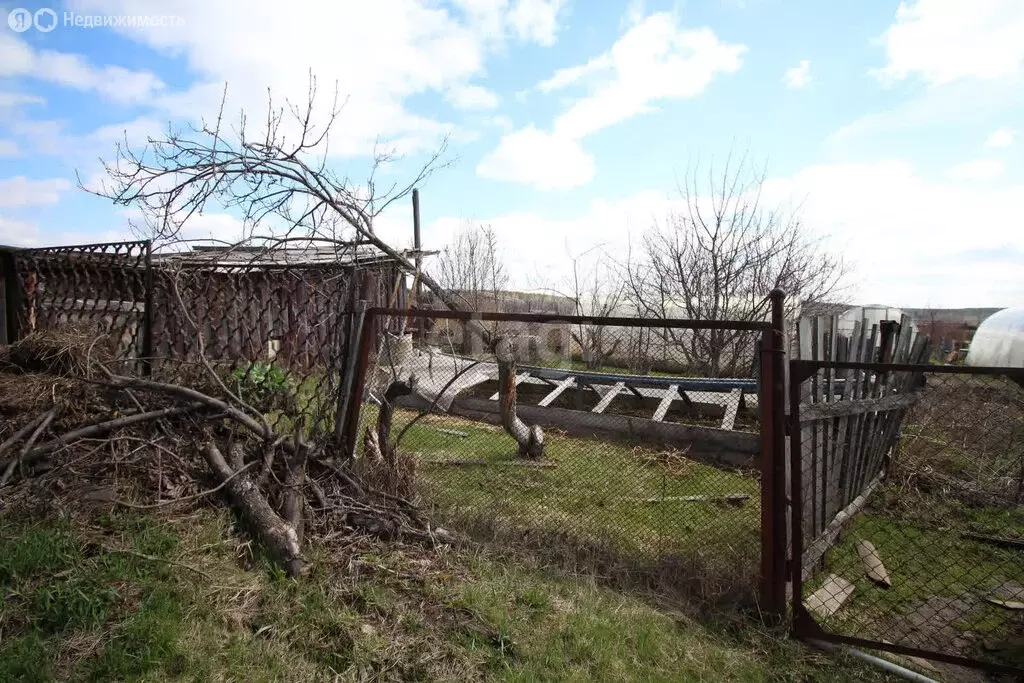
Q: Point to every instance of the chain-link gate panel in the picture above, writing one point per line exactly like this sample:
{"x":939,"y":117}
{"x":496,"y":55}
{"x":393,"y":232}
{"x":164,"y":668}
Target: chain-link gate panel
{"x":909,"y":511}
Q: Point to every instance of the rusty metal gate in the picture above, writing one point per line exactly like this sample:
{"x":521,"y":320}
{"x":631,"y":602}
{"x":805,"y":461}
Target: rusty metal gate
{"x":907,"y":488}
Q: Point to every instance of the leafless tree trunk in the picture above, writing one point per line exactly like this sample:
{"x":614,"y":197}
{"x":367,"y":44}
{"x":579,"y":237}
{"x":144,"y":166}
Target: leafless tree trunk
{"x":471,"y":270}
{"x":717,"y":259}
{"x":595,"y":289}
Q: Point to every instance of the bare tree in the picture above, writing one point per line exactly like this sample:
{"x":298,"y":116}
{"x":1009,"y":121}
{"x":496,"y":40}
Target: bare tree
{"x":278,"y":180}
{"x":472,"y":267}
{"x":717,"y":258}
{"x":595,"y":289}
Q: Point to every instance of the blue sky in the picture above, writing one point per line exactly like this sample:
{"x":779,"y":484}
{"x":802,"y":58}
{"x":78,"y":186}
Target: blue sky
{"x":895,"y":127}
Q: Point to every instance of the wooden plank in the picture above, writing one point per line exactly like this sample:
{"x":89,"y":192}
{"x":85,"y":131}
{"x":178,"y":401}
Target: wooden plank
{"x":828,"y":599}
{"x":820,"y":545}
{"x":853,"y":353}
{"x":865,"y":390}
{"x":837,"y":352}
{"x":823,"y":411}
{"x":873,"y":566}
{"x":607,"y":399}
{"x":557,"y":391}
{"x":670,"y":395}
{"x":818,"y":437}
{"x":519,"y":378}
{"x":732,"y":406}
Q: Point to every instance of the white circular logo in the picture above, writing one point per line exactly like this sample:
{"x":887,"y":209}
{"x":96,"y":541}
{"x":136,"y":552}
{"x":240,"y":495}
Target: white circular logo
{"x":45,"y":20}
{"x":20,"y":19}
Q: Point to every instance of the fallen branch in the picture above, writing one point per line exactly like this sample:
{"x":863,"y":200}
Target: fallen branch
{"x":101,"y":428}
{"x":20,"y":434}
{"x":263,"y":431}
{"x":185,"y":499}
{"x":47,"y":418}
{"x":278,"y":536}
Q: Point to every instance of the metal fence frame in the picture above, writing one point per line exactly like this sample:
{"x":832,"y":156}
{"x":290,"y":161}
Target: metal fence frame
{"x":804,"y":625}
{"x":128,"y":265}
{"x":771,"y":402}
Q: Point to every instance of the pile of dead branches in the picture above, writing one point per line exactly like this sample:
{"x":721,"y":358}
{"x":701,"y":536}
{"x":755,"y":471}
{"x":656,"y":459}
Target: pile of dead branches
{"x":72,"y":421}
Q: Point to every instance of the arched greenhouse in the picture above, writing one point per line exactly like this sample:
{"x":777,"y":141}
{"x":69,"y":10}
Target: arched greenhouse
{"x":999,"y":341}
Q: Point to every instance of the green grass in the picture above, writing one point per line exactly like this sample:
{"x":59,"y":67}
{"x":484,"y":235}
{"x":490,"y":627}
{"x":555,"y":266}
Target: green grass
{"x":369,"y":613}
{"x":625,"y":500}
{"x":926,"y":563}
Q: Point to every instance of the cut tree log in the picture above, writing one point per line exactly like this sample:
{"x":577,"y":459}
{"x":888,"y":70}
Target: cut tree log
{"x":279,"y":537}
{"x":530,"y":439}
{"x":873,"y":566}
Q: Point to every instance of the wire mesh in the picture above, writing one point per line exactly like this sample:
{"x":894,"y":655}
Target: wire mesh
{"x":912,"y":510}
{"x":100,"y":285}
{"x":650,"y":463}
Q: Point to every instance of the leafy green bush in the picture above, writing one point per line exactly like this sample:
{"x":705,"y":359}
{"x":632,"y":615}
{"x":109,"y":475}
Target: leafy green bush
{"x":266,"y":384}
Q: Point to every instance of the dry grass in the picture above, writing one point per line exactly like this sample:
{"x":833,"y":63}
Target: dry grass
{"x":70,"y":350}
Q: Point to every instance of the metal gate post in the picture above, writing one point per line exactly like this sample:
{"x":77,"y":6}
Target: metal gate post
{"x":147,"y":313}
{"x":772,"y":396}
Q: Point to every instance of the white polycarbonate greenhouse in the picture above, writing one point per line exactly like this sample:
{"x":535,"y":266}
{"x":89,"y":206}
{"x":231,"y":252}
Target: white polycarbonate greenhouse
{"x":999,"y":341}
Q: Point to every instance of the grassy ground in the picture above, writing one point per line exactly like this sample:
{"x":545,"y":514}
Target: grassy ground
{"x":955,"y":473}
{"x":119,"y":596}
{"x":630,"y":502}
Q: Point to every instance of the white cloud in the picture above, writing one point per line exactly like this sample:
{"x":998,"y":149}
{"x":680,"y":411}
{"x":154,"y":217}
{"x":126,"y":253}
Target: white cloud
{"x":887,"y":208}
{"x":391,"y":50}
{"x":472,"y":97}
{"x":536,"y":20}
{"x":946,"y":40}
{"x":18,"y":233}
{"x":798,"y":76}
{"x":21,"y":191}
{"x":501,"y":121}
{"x":9,"y":148}
{"x":1002,"y":137}
{"x":9,"y":100}
{"x":534,"y":157}
{"x":655,"y":60}
{"x":954,"y":107}
{"x":115,"y":83}
{"x":977,"y":169}
{"x":866,"y":211}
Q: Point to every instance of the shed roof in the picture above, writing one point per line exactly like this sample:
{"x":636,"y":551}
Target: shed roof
{"x":342,"y":255}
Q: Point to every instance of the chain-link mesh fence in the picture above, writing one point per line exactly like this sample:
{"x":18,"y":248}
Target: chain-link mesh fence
{"x":652,"y":431}
{"x":100,"y":285}
{"x":650,"y":465}
{"x":911,"y":511}
{"x":273,"y":327}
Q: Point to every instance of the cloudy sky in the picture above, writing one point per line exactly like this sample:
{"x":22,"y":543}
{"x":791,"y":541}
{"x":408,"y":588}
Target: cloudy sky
{"x":898,"y":128}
